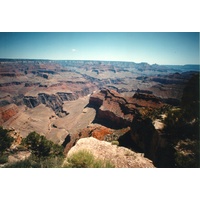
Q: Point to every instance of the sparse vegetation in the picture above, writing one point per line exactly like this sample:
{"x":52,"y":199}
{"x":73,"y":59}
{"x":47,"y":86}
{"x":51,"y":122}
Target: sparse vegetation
{"x":187,"y":153}
{"x":36,"y":162}
{"x":155,"y":113}
{"x":5,"y":140}
{"x":115,"y":142}
{"x":3,"y":159}
{"x":27,"y":163}
{"x":42,"y":147}
{"x":182,"y":127}
{"x":45,"y":154}
{"x":85,"y":159}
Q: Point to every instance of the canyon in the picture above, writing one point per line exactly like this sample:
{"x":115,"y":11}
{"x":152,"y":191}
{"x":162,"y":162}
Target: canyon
{"x":69,"y":100}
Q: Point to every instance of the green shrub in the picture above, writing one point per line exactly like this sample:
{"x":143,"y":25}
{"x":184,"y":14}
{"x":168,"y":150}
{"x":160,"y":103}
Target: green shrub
{"x":3,"y":159}
{"x":5,"y":140}
{"x":81,"y":159}
{"x":186,"y":161}
{"x":51,"y":162}
{"x":115,"y":142}
{"x":85,"y":159}
{"x":42,"y":147}
{"x":45,"y":154}
{"x":36,"y":162}
{"x":21,"y":148}
{"x":187,"y":153}
{"x":102,"y":164}
{"x":28,"y":163}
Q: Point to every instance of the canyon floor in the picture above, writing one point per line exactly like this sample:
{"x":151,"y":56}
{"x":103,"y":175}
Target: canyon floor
{"x":44,"y":121}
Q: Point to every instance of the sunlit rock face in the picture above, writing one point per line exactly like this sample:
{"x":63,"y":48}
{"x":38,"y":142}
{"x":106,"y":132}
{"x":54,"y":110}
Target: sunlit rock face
{"x":121,"y":157}
{"x":116,"y":111}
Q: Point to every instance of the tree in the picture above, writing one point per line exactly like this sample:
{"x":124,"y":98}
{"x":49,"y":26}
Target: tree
{"x":182,"y":126}
{"x":5,"y":140}
{"x":42,"y":147}
{"x":190,"y":98}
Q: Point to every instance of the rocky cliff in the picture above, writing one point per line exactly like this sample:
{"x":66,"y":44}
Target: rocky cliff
{"x":115,"y":111}
{"x":112,"y":109}
{"x":142,"y":137}
{"x":55,"y":101}
{"x":96,"y":131}
{"x":52,"y":101}
{"x":121,"y":120}
{"x":119,"y":156}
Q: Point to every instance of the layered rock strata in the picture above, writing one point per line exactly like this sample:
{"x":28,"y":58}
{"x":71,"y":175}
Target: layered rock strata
{"x":8,"y":112}
{"x":113,"y":110}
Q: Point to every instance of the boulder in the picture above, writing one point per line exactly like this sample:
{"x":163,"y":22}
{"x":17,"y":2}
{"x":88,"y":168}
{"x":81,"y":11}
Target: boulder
{"x":121,"y":157}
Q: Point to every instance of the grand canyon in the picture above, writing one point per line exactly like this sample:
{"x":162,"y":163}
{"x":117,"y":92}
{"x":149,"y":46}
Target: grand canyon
{"x":69,"y":101}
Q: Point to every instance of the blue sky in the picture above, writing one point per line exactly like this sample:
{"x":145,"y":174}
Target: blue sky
{"x":154,"y":47}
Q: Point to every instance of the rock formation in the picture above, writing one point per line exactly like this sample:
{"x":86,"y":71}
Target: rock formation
{"x":115,"y":111}
{"x":52,"y":101}
{"x":119,"y":156}
{"x":142,"y":137}
{"x":112,"y":109}
{"x":121,"y":120}
{"x":96,"y":131}
{"x":7,"y":112}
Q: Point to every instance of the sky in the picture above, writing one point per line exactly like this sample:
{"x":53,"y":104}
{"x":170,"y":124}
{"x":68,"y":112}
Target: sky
{"x":176,"y":48}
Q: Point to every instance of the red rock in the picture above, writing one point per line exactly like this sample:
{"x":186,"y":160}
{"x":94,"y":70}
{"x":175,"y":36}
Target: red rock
{"x":7,"y":112}
{"x":95,"y":130}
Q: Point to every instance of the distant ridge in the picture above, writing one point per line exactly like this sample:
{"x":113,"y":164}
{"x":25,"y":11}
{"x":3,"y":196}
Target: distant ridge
{"x":97,"y":61}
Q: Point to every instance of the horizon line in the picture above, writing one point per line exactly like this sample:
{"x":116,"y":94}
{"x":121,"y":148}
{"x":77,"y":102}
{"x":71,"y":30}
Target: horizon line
{"x":47,"y":59}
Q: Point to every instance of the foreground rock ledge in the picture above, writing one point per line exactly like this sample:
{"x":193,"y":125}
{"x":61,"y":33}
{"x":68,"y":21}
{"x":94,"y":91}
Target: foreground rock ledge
{"x":119,"y":156}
